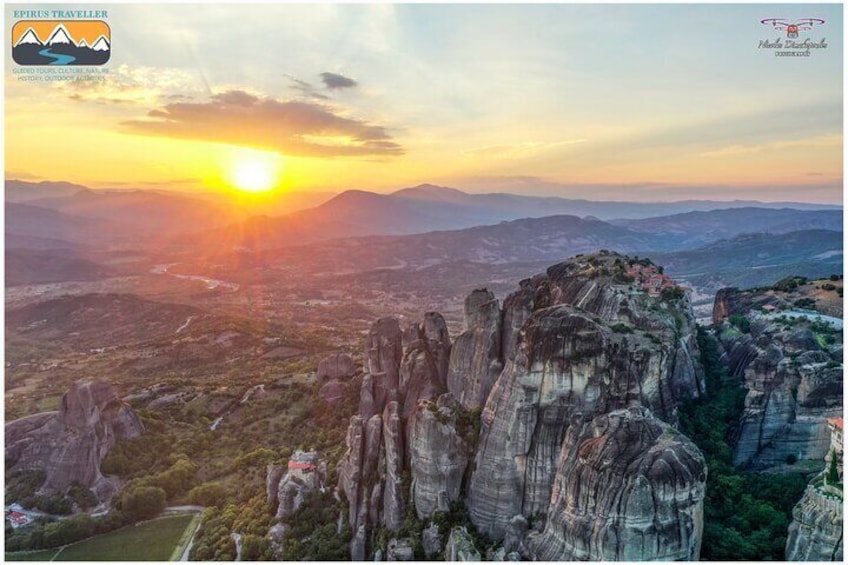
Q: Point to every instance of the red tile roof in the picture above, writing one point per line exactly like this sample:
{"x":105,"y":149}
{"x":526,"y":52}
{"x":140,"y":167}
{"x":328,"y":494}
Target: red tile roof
{"x":304,"y":466}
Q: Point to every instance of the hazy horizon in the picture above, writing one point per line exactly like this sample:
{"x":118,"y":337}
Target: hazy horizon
{"x":637,"y":103}
{"x":620,"y":197}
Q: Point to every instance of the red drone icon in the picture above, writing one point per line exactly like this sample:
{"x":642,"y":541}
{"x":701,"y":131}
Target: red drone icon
{"x":792,"y":29}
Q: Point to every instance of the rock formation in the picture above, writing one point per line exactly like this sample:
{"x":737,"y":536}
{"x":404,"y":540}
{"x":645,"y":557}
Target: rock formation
{"x":439,"y":455}
{"x":460,"y":546}
{"x":589,"y":346}
{"x":303,"y":473}
{"x":402,"y":370}
{"x":570,"y":345}
{"x":431,"y":541}
{"x":794,"y":385}
{"x":627,"y":488}
{"x":335,"y":371}
{"x":475,"y":360}
{"x":69,"y":445}
{"x":815,"y":533}
{"x":335,"y":366}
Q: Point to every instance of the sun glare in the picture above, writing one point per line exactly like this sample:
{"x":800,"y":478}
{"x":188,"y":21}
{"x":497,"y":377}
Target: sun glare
{"x":255,"y":172}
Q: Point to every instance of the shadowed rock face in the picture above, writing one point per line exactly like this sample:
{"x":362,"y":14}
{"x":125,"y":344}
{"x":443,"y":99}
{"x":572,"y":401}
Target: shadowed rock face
{"x":335,"y":366}
{"x":438,"y":456}
{"x":568,"y":346}
{"x":815,"y":533}
{"x":794,"y":385}
{"x":70,"y":444}
{"x":627,"y":488}
{"x":571,"y":357}
{"x":402,"y":369}
{"x":475,"y":360}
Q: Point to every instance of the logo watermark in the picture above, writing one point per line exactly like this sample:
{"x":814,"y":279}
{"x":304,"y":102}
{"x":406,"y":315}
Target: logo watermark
{"x":788,"y":44}
{"x":51,"y":45}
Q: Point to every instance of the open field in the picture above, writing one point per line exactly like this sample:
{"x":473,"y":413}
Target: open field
{"x":43,"y":555}
{"x":149,"y":541}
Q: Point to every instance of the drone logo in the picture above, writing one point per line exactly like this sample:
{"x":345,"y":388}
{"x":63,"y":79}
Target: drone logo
{"x":792,"y":29}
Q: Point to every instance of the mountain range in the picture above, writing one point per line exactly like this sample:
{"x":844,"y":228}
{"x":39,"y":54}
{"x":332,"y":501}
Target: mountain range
{"x":426,"y":208}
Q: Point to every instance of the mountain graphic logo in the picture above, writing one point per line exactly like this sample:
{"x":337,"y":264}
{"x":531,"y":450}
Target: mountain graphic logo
{"x":61,"y":42}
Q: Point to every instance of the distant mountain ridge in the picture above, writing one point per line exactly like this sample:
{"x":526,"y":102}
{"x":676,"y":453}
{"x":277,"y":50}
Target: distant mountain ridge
{"x":530,"y":206}
{"x":427,"y":208}
{"x":179,"y":219}
{"x":757,"y":259}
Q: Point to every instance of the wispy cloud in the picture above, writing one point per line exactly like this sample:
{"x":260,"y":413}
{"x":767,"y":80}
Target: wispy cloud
{"x":737,"y":149}
{"x":520,"y":150}
{"x":335,"y":81}
{"x":134,"y":85}
{"x":291,"y":127}
{"x":305,"y":88}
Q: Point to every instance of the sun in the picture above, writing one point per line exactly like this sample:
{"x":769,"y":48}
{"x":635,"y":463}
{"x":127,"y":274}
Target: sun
{"x":255,"y":172}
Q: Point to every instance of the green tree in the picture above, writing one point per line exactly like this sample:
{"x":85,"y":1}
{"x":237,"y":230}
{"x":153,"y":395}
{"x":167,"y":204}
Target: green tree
{"x":139,"y":502}
{"x":832,"y":471}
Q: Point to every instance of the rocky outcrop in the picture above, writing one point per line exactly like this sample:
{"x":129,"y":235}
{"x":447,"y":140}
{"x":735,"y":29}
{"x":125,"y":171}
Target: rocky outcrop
{"x":394,"y":499}
{"x":303,"y":474}
{"x":424,"y":368}
{"x":815,"y":533}
{"x":794,"y":385}
{"x":335,"y":371}
{"x":402,"y":369}
{"x":460,"y":546}
{"x":627,"y":488}
{"x":431,"y":541}
{"x":475,"y":360}
{"x":69,"y":445}
{"x":569,"y":345}
{"x":439,"y":455}
{"x":335,"y":366}
{"x":589,"y":347}
{"x":273,"y":475}
{"x":400,"y":550}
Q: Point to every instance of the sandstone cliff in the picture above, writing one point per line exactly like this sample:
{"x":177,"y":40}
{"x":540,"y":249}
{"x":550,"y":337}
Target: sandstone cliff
{"x":70,"y":444}
{"x":815,"y":533}
{"x":404,"y":370}
{"x":590,"y":346}
{"x":572,"y":344}
{"x":475,"y":360}
{"x":627,"y":487}
{"x":794,"y":383}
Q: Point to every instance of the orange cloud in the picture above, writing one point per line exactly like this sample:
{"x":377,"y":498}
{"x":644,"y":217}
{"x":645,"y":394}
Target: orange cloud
{"x":292,"y":127}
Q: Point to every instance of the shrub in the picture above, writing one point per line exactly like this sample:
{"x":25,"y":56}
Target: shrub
{"x":805,"y":303}
{"x":673,"y":293}
{"x":141,"y":502}
{"x":621,"y":328}
{"x":208,"y":494}
{"x":741,"y":323}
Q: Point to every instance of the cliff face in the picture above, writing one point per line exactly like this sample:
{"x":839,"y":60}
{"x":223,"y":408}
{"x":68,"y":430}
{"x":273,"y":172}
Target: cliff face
{"x":475,"y":360}
{"x":70,"y":444}
{"x":438,"y":455}
{"x":569,"y":345}
{"x":794,"y":383}
{"x":627,"y":487}
{"x":815,"y":533}
{"x":404,"y":370}
{"x":587,"y":346}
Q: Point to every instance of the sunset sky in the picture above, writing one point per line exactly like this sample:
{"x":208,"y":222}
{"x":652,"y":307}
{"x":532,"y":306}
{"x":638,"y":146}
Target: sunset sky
{"x":621,"y":102}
